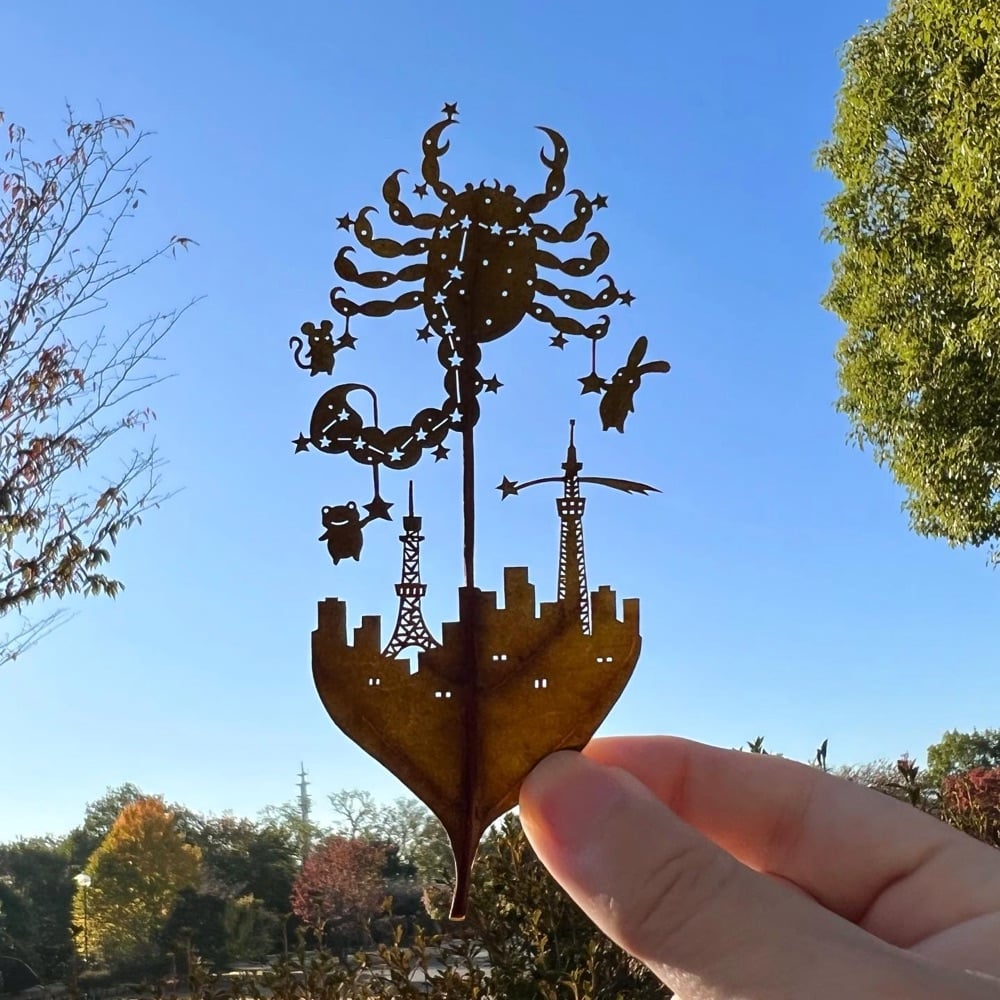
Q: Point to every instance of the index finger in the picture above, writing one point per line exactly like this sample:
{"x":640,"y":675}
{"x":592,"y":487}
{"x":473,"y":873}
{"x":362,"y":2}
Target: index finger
{"x":883,"y":864}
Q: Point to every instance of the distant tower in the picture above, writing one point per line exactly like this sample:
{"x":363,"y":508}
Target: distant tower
{"x":305,"y":804}
{"x":411,"y":629}
{"x":572,"y":569}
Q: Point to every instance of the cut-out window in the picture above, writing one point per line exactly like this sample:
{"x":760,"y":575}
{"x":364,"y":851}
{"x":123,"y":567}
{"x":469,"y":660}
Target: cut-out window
{"x":541,"y":682}
{"x":605,"y":659}
{"x":499,"y":657}
{"x":442,"y":694}
{"x":374,"y":682}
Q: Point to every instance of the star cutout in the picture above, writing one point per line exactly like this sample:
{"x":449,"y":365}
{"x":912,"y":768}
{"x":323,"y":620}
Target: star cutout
{"x":508,"y":488}
{"x":378,"y":509}
{"x":424,"y":333}
{"x":420,"y":190}
{"x":559,"y":341}
{"x":301,"y":443}
{"x":464,"y":223}
{"x":496,"y":229}
{"x":454,"y":358}
{"x":440,"y":452}
{"x":420,"y":434}
{"x":395,"y":455}
{"x":358,"y":442}
{"x":344,"y":222}
{"x":450,"y":109}
{"x":492,"y":384}
{"x":343,"y":415}
{"x":626,"y":298}
{"x":600,"y":201}
{"x":455,"y":272}
{"x":449,"y":327}
{"x":524,"y":229}
{"x":591,"y":383}
{"x":439,"y":298}
{"x":347,"y":340}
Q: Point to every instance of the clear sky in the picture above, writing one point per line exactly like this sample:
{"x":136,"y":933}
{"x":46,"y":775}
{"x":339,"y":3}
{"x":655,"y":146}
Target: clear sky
{"x":783,"y":594}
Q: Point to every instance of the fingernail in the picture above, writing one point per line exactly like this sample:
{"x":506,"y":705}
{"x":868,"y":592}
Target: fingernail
{"x":569,"y":796}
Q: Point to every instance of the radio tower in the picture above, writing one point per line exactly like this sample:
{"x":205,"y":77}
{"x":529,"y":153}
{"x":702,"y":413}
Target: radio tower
{"x":411,"y":629}
{"x":572,"y":568}
{"x":305,"y":803}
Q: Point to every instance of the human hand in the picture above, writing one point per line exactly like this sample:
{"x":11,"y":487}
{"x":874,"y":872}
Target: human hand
{"x":739,"y":876}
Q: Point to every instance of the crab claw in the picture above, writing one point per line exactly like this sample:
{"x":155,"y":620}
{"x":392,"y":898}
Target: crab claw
{"x":433,"y":150}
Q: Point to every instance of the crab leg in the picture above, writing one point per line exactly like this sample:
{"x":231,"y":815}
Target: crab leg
{"x":399,"y":211}
{"x":557,"y":172}
{"x":377,"y":307}
{"x":348,"y":270}
{"x":599,"y":251}
{"x":583,"y":209}
{"x":607,"y":296}
{"x":385,"y":247}
{"x":566,"y":325}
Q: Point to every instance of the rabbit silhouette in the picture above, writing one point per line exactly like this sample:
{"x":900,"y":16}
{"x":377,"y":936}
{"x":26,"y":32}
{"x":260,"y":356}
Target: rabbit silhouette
{"x":619,"y":394}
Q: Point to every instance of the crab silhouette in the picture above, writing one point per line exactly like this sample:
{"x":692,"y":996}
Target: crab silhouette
{"x":482,"y":255}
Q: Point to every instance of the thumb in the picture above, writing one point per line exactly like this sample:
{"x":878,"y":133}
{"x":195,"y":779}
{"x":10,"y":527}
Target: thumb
{"x":708,"y":926}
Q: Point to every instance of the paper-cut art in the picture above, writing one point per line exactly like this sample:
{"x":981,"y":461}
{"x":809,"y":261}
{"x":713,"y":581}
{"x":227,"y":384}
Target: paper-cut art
{"x":502,"y":686}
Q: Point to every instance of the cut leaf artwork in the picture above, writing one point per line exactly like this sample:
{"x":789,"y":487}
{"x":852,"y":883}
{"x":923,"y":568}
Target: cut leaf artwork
{"x":504,"y":685}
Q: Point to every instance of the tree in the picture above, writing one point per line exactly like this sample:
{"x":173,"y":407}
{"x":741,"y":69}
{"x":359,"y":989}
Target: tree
{"x":971,"y":802}
{"x":357,"y":814}
{"x":403,"y":825}
{"x":70,"y":390}
{"x":340,"y":887}
{"x":916,"y":150}
{"x":137,"y":874}
{"x":288,"y":821}
{"x":431,"y":854}
{"x":956,"y":753}
{"x":196,"y":926}
{"x":245,"y":858}
{"x":36,"y":893}
{"x":99,"y":817}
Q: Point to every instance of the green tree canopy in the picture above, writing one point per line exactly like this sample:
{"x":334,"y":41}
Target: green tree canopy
{"x":956,"y":753}
{"x":242,"y":858}
{"x":100,"y":816}
{"x":916,"y":151}
{"x":35,"y":894}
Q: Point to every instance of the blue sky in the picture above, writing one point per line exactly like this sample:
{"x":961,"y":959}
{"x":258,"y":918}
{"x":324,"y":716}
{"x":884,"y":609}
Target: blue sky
{"x":783,"y":594}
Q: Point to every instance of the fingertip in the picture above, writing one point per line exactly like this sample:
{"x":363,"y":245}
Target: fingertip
{"x":565,"y":796}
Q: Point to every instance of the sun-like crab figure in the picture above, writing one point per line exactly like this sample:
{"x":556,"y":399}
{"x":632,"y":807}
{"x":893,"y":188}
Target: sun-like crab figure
{"x":480,"y":276}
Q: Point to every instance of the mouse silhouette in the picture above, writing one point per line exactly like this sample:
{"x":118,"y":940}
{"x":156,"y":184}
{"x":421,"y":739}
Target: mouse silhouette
{"x":321,"y":348}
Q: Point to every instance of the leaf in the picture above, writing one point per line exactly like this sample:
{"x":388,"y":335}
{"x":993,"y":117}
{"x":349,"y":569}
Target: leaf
{"x":506,"y":688}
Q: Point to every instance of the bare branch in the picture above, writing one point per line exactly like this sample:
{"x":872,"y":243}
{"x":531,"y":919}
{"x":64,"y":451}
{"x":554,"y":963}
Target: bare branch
{"x":67,"y":392}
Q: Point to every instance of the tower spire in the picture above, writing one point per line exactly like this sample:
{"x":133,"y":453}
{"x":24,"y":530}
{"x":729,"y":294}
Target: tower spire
{"x":410,"y":629}
{"x":305,"y":804}
{"x":572,"y":568}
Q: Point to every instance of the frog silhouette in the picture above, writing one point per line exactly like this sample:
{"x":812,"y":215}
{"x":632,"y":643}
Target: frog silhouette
{"x":343,"y":534}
